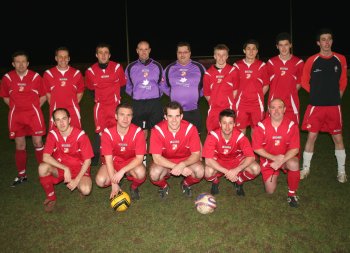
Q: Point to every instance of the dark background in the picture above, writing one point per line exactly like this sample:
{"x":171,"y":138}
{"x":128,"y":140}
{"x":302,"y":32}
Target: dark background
{"x":39,"y":28}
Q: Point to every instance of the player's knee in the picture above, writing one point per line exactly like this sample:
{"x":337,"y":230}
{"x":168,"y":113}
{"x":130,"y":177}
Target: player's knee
{"x":85,"y":189}
{"x":254,"y":168}
{"x":43,"y":169}
{"x":100,"y":181}
{"x":293,"y":164}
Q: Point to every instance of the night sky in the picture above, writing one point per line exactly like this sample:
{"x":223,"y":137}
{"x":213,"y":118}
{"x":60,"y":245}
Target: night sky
{"x":204,"y":26}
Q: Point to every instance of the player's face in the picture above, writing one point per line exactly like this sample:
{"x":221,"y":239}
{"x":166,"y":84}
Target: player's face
{"x":20,"y":63}
{"x":103,"y":55}
{"x":250,"y":51}
{"x":183,"y":55}
{"x":277,"y":110}
{"x":174,"y":119}
{"x":221,"y":56}
{"x":227,"y":124}
{"x":124,"y":117}
{"x":61,"y":121}
{"x":325,"y":42}
{"x":284,"y":47}
{"x":143,"y":50}
{"x":62,"y":58}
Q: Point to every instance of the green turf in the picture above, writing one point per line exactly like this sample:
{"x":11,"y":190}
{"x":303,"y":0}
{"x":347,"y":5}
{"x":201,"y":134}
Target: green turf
{"x":255,"y":223}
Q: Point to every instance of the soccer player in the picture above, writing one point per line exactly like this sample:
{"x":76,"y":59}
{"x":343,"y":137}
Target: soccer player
{"x":276,"y":140}
{"x":104,"y":78}
{"x":325,"y":78}
{"x":175,"y":148}
{"x":251,"y":83}
{"x":144,"y":78}
{"x":64,"y":87}
{"x":218,"y":86}
{"x":67,"y":157}
{"x":227,"y":152}
{"x":123,"y":147}
{"x":184,"y":84}
{"x":284,"y":71}
{"x":23,"y":91}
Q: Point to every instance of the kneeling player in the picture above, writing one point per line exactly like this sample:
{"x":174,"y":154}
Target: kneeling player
{"x":276,"y":141}
{"x":228,"y":152}
{"x":123,"y":147}
{"x":67,"y":157}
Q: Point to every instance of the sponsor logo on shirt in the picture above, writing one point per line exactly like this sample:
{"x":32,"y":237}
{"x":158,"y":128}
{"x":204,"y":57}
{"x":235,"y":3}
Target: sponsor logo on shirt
{"x":336,"y":69}
{"x":317,"y":70}
{"x":283,"y":70}
{"x":174,"y":144}
{"x":122,"y":146}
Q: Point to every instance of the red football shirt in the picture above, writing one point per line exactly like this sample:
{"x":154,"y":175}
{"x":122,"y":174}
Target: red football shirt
{"x":175,"y":147}
{"x":123,"y":149}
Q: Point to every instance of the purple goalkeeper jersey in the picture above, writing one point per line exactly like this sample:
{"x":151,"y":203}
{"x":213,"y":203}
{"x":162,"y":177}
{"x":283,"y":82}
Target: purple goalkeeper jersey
{"x":143,"y":79}
{"x":184,"y":84}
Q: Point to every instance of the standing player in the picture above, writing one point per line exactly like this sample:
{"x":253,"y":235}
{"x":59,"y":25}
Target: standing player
{"x":284,"y":71}
{"x":228,"y":152}
{"x":64,"y":87}
{"x":67,"y":157}
{"x":276,"y":140}
{"x":144,"y":78}
{"x":123,"y":147}
{"x":184,"y":83}
{"x":218,"y":86}
{"x":23,"y":91}
{"x":325,"y":78}
{"x":105,"y":78}
{"x":250,"y":87}
{"x":175,"y":148}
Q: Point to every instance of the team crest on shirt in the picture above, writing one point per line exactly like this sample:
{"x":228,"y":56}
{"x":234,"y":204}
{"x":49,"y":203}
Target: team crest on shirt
{"x":66,"y":148}
{"x":21,"y":86}
{"x":248,"y":74}
{"x":174,"y":144}
{"x":283,"y":71}
{"x":63,"y":81}
{"x":277,"y":140}
{"x":183,"y":73}
{"x":145,"y":73}
{"x":335,"y":69}
{"x":225,"y":151}
{"x":308,"y":126}
{"x":12,"y":134}
{"x":98,"y":128}
{"x":122,"y":147}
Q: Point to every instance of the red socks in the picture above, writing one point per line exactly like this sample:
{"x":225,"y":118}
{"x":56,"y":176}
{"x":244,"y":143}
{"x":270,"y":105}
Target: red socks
{"x":21,"y":162}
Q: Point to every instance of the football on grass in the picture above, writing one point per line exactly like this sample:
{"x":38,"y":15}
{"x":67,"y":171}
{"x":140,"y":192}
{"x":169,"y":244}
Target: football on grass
{"x":205,"y":203}
{"x":121,"y":201}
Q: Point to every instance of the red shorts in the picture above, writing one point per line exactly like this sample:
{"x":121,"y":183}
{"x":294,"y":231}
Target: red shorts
{"x":212,"y":122}
{"x":74,"y":174}
{"x":104,"y":116}
{"x":323,"y":119}
{"x":248,"y":118}
{"x":267,"y":172}
{"x":117,"y":165}
{"x":26,"y":123}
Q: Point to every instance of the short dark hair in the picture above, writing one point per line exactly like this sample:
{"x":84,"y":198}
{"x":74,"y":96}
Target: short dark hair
{"x":227,"y":113}
{"x":62,"y":49}
{"x":283,"y":36}
{"x":19,"y":53}
{"x":62,"y":110}
{"x":173,"y":105}
{"x":221,"y":47}
{"x":183,"y":44}
{"x":251,"y":41}
{"x":101,"y":45}
{"x":323,"y":31}
{"x":124,"y":105}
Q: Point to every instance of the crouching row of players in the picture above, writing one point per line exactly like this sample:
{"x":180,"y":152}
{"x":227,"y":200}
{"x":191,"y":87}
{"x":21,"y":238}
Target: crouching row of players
{"x":176,"y":150}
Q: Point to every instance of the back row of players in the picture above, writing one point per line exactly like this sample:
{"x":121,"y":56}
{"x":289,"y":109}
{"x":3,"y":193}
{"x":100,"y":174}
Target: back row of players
{"x":240,"y":87}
